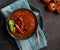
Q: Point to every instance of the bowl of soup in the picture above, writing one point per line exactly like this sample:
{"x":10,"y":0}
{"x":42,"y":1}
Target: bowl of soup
{"x":22,"y":24}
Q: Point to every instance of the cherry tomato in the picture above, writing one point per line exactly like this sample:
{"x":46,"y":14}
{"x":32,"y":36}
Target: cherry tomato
{"x":58,"y":8}
{"x":46,"y":1}
{"x":51,"y":7}
{"x":57,"y":1}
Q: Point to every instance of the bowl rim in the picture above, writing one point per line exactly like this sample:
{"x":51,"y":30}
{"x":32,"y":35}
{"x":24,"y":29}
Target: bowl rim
{"x":13,"y":13}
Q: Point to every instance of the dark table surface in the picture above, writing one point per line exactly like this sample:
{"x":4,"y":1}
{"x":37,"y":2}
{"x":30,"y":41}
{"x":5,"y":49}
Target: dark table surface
{"x":51,"y":27}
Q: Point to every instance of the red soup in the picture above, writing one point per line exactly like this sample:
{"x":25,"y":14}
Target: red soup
{"x":25,"y":23}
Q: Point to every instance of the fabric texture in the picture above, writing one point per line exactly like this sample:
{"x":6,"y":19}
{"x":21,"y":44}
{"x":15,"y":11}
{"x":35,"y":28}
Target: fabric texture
{"x":28,"y":44}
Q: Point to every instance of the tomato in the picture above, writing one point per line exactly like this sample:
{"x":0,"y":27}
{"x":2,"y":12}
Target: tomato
{"x":57,"y":1}
{"x":51,"y":7}
{"x":46,"y":1}
{"x":58,"y":8}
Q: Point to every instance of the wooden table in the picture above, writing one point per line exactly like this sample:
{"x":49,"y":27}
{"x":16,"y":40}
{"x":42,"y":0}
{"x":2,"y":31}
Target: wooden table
{"x":51,"y":27}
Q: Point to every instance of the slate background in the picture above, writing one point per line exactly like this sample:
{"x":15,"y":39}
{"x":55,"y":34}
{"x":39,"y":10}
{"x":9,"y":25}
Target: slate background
{"x":51,"y":27}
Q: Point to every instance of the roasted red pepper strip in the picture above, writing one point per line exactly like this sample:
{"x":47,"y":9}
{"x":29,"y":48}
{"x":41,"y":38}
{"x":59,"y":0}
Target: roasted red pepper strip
{"x":22,"y":26}
{"x":18,"y":28}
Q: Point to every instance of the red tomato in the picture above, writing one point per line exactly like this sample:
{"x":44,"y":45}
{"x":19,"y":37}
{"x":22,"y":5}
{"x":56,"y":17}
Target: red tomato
{"x":46,"y":1}
{"x":57,"y":1}
{"x":58,"y":8}
{"x":52,"y":7}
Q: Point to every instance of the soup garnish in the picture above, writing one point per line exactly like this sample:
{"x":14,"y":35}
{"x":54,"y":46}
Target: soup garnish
{"x":16,"y":25}
{"x":11,"y":26}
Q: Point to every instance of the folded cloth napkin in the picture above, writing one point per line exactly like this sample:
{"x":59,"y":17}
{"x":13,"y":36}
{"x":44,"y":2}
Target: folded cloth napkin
{"x":28,"y":44}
